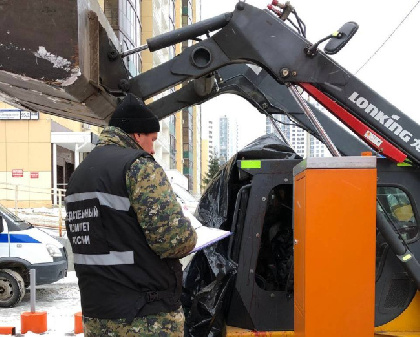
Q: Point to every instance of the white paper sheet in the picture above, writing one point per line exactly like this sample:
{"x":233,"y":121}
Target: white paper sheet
{"x":206,"y":236}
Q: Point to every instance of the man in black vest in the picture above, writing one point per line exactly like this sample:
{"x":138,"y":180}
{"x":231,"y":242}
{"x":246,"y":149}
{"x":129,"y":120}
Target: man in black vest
{"x":127,"y":232}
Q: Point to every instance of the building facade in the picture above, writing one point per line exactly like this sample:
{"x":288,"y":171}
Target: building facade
{"x":191,"y":116}
{"x":157,"y":17}
{"x":178,"y":145}
{"x":38,"y":153}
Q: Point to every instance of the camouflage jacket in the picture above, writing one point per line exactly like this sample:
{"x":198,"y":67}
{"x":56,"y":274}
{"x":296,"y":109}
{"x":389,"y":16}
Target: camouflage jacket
{"x":168,"y":232}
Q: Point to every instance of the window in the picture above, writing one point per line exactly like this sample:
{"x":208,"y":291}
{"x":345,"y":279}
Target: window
{"x":128,"y":29}
{"x":13,"y":222}
{"x":396,"y":205}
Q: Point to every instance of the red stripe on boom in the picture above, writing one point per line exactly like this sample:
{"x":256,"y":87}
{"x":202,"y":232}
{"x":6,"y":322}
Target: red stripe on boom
{"x":364,"y":132}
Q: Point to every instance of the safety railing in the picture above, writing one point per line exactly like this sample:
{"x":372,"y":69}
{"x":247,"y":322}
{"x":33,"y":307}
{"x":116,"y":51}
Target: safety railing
{"x":40,"y":206}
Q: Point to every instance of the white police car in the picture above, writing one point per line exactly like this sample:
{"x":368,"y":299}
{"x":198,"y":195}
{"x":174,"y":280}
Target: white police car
{"x":24,"y":247}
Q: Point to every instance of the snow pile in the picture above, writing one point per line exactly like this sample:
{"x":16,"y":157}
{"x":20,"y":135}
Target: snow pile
{"x":42,"y":217}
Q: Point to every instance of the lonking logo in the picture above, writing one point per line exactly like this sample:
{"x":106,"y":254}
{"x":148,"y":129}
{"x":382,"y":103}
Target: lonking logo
{"x":389,"y":122}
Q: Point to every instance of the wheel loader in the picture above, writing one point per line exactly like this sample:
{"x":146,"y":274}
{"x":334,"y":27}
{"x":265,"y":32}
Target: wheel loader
{"x":247,"y":291}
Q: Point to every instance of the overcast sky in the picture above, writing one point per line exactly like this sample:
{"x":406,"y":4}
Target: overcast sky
{"x":393,"y":72}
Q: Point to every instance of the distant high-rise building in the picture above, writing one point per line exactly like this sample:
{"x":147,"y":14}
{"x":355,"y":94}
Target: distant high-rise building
{"x":208,"y":148}
{"x":302,"y":142}
{"x":317,"y":148}
{"x":228,"y":138}
{"x":223,"y":139}
{"x":211,"y":140}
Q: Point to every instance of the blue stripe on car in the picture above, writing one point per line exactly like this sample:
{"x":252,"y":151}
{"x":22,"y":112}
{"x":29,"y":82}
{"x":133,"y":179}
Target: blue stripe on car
{"x":18,"y":238}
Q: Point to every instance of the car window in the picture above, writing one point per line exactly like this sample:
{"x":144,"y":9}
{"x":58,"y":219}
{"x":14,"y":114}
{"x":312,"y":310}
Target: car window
{"x":14,"y":223}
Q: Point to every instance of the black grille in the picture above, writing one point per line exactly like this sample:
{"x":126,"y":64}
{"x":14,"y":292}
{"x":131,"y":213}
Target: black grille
{"x":398,"y":294}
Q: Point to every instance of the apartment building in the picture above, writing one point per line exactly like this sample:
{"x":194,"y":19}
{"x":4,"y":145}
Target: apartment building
{"x":39,"y":152}
{"x":179,"y":143}
{"x":302,"y":142}
{"x":228,"y":138}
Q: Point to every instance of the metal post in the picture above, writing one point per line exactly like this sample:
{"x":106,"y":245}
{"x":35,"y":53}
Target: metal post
{"x":60,"y":217}
{"x":308,"y":112}
{"x":32,"y":274}
{"x":55,"y":173}
{"x":76,"y":156}
{"x":16,"y":199}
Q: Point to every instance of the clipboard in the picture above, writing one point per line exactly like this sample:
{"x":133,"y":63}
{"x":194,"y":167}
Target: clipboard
{"x":206,"y":236}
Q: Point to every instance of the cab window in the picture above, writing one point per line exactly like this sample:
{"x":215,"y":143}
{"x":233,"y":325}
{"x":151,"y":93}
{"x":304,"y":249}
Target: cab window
{"x":398,"y":208}
{"x":275,"y":257}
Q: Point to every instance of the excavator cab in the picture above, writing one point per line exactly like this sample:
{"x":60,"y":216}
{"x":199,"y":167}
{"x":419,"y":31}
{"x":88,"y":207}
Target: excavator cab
{"x":250,"y":274}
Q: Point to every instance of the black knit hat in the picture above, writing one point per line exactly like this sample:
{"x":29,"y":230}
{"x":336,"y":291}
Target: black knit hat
{"x":134,"y":117}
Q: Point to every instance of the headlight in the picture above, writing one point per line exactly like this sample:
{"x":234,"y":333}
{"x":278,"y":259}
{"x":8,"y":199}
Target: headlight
{"x":53,"y":250}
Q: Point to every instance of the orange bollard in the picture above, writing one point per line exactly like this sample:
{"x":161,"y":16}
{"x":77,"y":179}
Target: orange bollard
{"x":7,"y":330}
{"x":33,"y":321}
{"x":78,"y":322}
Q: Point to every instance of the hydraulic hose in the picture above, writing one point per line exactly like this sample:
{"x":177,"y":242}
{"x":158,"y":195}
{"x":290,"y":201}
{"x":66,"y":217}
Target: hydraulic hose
{"x":188,"y":32}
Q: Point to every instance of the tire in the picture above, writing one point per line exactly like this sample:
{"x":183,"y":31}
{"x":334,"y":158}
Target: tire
{"x":20,"y":280}
{"x":12,"y":288}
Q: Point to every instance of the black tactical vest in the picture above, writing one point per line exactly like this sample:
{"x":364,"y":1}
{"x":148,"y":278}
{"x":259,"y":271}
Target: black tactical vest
{"x":119,"y":275}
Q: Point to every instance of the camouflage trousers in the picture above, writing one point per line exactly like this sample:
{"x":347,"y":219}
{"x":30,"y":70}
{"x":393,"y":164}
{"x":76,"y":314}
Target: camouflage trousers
{"x":161,"y":325}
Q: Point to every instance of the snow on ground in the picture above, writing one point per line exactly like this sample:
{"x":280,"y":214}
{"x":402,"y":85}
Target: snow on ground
{"x":61,"y":300}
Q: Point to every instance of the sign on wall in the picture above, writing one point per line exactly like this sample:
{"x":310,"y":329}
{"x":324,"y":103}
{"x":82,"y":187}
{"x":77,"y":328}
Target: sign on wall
{"x":17,"y":173}
{"x":17,"y":114}
{"x":34,"y":175}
